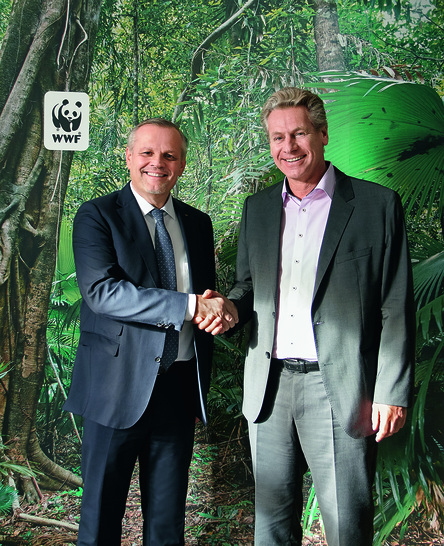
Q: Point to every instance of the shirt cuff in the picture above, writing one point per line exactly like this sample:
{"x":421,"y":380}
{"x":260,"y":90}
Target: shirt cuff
{"x":191,"y":309}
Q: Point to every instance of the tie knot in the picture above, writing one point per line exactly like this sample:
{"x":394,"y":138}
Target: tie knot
{"x":157,"y":214}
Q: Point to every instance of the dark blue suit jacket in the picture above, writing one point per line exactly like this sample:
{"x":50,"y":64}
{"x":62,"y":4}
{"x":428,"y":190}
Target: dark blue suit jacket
{"x":124,"y":314}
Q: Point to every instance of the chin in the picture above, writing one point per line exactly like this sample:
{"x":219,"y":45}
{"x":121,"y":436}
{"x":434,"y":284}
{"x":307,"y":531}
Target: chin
{"x":159,"y":189}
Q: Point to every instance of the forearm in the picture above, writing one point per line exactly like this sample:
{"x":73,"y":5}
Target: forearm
{"x":110,"y":290}
{"x":394,"y":384}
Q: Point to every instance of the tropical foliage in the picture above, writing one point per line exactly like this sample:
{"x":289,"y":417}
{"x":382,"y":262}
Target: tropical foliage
{"x":408,"y":150}
{"x":385,"y":122}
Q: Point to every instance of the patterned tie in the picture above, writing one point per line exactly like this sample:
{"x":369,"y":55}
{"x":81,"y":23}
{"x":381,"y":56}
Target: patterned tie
{"x":167,"y":270}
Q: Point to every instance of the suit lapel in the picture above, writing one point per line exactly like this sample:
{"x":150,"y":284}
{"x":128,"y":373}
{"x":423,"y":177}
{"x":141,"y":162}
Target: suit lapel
{"x":269,"y":233}
{"x":338,"y":218}
{"x":137,"y":230}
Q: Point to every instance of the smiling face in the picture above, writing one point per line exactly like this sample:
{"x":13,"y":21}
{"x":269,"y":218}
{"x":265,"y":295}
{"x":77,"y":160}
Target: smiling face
{"x":297,"y":147}
{"x":155,"y":162}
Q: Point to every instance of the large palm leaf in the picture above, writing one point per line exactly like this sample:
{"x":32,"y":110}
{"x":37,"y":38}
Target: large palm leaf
{"x":390,"y":132}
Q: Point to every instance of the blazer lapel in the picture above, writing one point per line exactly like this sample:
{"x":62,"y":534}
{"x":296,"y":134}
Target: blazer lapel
{"x":338,"y":218}
{"x":269,"y":233}
{"x":137,"y":230}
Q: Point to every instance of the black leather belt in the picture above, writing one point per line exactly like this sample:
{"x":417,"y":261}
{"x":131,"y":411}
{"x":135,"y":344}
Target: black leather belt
{"x":297,"y":365}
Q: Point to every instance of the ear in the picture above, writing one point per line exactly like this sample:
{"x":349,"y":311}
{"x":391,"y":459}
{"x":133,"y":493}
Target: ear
{"x":182,"y":166}
{"x":128,"y":155}
{"x":324,"y":133}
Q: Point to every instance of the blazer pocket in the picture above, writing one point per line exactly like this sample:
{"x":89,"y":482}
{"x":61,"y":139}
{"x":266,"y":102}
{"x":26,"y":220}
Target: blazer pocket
{"x":100,"y":343}
{"x":353,"y":255}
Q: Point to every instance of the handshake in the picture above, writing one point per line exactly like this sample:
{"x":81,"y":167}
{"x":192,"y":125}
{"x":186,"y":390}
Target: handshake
{"x":215,"y":313}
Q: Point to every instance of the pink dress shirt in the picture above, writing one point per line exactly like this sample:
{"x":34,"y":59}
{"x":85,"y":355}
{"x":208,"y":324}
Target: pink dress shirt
{"x":302,"y":232}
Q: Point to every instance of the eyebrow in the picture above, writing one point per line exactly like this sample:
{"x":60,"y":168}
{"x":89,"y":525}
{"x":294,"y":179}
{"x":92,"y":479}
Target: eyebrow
{"x":295,"y":130}
{"x":150,"y":148}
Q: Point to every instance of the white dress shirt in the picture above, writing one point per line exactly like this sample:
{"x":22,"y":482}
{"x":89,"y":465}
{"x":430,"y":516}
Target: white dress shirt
{"x":186,"y":336}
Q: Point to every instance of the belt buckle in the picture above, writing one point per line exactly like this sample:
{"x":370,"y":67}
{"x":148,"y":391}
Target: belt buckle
{"x":294,"y":365}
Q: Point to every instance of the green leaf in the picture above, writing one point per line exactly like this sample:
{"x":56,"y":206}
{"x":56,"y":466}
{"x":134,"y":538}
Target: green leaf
{"x":387,"y":131}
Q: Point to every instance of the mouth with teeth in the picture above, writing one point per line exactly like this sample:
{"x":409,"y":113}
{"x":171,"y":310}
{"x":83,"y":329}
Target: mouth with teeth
{"x":156,"y":175}
{"x":295,"y":159}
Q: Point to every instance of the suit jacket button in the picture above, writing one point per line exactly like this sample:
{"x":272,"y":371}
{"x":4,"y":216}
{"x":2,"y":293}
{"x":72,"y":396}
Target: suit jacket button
{"x":267,"y":354}
{"x":157,"y":359}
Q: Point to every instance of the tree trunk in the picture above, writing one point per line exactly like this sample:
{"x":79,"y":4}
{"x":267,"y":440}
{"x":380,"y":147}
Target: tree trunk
{"x":198,"y":57}
{"x":329,"y":53}
{"x":48,"y":46}
{"x":136,"y":63}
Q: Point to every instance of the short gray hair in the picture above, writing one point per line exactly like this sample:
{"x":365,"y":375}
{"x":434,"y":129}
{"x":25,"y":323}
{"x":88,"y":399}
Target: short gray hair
{"x":160,"y":122}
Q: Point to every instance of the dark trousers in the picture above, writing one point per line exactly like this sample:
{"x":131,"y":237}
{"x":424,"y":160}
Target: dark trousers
{"x":302,"y":431}
{"x":162,"y":441}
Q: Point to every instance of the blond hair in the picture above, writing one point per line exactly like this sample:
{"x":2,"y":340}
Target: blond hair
{"x":290,"y":97}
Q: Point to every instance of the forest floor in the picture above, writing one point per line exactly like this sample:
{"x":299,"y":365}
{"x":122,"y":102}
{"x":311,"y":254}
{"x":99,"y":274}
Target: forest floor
{"x":220,"y":507}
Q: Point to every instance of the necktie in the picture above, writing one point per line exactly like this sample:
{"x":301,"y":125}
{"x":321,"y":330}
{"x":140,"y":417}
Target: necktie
{"x":167,"y":270}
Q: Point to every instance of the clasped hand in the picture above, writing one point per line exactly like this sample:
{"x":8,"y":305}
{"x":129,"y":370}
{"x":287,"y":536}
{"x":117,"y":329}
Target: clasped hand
{"x":215,"y":313}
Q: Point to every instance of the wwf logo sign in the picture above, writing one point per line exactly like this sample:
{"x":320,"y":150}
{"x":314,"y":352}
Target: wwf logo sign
{"x":66,"y":121}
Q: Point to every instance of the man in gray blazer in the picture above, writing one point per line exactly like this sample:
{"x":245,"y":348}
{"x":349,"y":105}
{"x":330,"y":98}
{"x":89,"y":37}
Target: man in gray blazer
{"x":142,"y":368}
{"x":323,"y":272}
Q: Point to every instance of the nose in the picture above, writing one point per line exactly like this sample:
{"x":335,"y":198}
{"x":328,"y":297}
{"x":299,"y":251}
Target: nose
{"x":290,"y":144}
{"x":156,"y":160}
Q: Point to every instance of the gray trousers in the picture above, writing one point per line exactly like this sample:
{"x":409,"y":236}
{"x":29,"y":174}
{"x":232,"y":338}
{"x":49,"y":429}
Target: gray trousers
{"x":302,"y":431}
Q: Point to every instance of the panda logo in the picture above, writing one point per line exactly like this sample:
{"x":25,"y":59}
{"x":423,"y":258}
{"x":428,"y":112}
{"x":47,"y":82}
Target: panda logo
{"x":66,"y":116}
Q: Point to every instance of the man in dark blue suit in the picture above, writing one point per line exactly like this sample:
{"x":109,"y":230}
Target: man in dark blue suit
{"x":142,"y":368}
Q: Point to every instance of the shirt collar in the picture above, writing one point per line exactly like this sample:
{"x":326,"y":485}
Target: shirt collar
{"x":326,"y":184}
{"x":146,"y":207}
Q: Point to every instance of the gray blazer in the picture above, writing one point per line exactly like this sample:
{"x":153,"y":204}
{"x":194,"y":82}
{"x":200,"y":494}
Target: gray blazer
{"x":362,"y":310}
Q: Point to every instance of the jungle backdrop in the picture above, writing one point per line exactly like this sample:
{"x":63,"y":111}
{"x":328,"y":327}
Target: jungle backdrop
{"x":209,"y":66}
